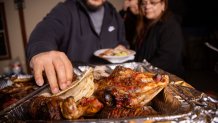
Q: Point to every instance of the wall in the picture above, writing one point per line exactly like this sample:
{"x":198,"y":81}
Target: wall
{"x":34,"y":11}
{"x":14,"y":34}
{"x":117,"y":3}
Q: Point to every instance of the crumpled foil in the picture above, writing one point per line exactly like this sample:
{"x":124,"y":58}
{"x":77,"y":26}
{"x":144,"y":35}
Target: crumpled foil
{"x":202,"y":108}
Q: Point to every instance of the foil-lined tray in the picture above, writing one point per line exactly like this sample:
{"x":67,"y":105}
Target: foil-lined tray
{"x":18,"y":88}
{"x":195,"y":105}
{"x":6,"y":81}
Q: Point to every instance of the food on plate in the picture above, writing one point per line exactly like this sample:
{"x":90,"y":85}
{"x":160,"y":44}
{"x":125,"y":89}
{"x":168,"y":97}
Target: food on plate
{"x":118,"y":54}
{"x":120,"y":50}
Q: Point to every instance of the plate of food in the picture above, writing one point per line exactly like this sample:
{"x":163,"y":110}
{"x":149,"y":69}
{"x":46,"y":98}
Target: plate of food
{"x":118,"y":54}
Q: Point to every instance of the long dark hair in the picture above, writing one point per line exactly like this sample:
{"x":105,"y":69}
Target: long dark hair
{"x":143,"y":25}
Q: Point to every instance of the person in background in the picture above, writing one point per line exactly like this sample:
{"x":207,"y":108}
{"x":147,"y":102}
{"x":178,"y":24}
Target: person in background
{"x":129,"y":6}
{"x":159,"y":37}
{"x":70,"y":33}
{"x":129,"y":14}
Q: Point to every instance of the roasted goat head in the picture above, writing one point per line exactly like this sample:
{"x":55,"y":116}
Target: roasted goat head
{"x":128,"y":88}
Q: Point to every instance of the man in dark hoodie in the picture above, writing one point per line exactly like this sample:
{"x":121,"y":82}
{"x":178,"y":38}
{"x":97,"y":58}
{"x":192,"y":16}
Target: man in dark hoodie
{"x":70,"y":33}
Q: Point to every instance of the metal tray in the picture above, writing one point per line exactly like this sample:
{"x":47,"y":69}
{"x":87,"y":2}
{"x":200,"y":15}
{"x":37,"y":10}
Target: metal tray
{"x":195,"y":106}
{"x":9,"y":81}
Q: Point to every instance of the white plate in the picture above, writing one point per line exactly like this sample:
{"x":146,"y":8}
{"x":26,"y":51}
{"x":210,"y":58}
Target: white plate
{"x":115,"y":59}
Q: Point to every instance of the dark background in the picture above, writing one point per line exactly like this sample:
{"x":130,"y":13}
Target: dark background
{"x":199,"y":20}
{"x":196,"y":12}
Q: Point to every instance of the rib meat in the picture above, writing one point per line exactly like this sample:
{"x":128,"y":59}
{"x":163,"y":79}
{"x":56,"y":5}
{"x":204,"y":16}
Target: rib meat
{"x":111,"y":112}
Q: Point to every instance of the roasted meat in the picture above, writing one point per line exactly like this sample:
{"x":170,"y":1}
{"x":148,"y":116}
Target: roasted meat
{"x":55,"y":108}
{"x":124,"y":93}
{"x":6,"y":100}
{"x":111,"y":112}
{"x":166,"y":101}
{"x":128,"y":88}
{"x":84,"y":107}
{"x":45,"y":108}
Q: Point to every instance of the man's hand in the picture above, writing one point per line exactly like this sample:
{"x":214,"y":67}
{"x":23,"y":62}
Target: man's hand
{"x":57,"y":67}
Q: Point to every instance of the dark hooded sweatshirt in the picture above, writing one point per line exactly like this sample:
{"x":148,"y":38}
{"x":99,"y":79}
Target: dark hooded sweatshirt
{"x":68,"y":28}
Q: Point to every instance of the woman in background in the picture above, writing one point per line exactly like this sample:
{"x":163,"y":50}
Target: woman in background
{"x":159,"y":37}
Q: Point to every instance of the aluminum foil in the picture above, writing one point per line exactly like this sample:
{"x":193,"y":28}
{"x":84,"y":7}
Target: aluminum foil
{"x":196,"y":106}
{"x":8,"y":81}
